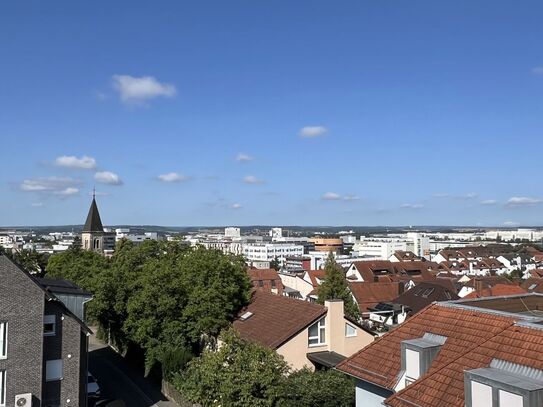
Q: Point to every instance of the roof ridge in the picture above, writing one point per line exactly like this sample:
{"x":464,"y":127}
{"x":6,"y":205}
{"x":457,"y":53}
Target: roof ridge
{"x":427,"y":375}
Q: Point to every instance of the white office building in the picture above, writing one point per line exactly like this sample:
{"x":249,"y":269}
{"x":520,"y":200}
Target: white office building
{"x":270,"y":251}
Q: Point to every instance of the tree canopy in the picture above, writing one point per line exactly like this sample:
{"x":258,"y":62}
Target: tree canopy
{"x":335,"y":287}
{"x":158,"y":295}
{"x":238,"y":374}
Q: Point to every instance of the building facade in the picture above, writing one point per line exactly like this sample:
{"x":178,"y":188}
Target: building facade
{"x":43,"y":345}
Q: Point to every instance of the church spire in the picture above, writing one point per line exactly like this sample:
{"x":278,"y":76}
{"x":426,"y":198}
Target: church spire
{"x":93,"y":222}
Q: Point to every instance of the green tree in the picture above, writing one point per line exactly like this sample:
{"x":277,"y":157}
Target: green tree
{"x":238,"y":374}
{"x":274,"y":264}
{"x":335,"y":287}
{"x":323,"y":388}
{"x":30,"y":260}
{"x":176,"y":301}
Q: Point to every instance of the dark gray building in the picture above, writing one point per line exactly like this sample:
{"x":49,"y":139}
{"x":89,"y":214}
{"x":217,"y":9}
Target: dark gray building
{"x":43,"y":344}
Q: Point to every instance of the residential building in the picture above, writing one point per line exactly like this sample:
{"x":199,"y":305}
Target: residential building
{"x":304,"y":333}
{"x":468,"y":353}
{"x":94,"y":237}
{"x":266,"y":280}
{"x":43,"y":344}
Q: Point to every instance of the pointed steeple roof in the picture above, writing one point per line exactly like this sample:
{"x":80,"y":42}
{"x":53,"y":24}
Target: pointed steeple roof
{"x":93,"y":222}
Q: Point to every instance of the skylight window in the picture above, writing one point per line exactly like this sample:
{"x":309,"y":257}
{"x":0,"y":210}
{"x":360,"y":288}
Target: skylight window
{"x":246,"y":316}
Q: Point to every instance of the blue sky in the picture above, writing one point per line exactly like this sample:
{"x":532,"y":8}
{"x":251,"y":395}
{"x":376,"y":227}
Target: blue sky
{"x":272,"y":112}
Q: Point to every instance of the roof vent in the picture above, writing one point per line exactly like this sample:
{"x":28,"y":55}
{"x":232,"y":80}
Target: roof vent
{"x":246,"y":316}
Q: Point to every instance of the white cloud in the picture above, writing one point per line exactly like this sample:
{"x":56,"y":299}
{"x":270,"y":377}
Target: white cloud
{"x":332,"y":196}
{"x":134,"y":90}
{"x":67,"y":192}
{"x":462,"y":197}
{"x":242,"y":158}
{"x":251,"y":179}
{"x":522,"y":201}
{"x":510,"y":223}
{"x":412,"y":206}
{"x":489,"y":202}
{"x":236,"y":206}
{"x":71,"y":161}
{"x":108,"y":177}
{"x":36,"y":204}
{"x":538,"y":70}
{"x":173,"y":177}
{"x":59,"y":186}
{"x":313,"y":131}
{"x":350,"y":197}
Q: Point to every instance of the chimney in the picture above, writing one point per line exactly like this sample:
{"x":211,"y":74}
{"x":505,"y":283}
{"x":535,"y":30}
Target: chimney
{"x":478,"y":284}
{"x":335,"y":329}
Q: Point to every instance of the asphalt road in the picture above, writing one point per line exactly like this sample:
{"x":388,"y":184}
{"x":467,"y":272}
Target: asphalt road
{"x":117,"y":380}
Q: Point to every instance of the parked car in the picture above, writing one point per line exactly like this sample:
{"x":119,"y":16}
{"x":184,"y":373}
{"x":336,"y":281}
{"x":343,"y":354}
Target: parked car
{"x":93,"y":390}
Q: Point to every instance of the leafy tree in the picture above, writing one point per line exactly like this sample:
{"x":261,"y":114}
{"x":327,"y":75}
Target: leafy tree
{"x":323,"y":388}
{"x":335,"y":287}
{"x":178,"y":300}
{"x":238,"y":374}
{"x":30,"y":260}
{"x":274,"y":264}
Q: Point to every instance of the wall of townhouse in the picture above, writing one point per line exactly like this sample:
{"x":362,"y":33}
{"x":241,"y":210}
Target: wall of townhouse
{"x":21,"y":306}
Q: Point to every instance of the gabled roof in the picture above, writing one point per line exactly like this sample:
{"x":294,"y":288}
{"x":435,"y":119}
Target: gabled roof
{"x":496,"y":290}
{"x":403,"y":255}
{"x":487,"y":281}
{"x":370,"y":269}
{"x":533,"y":285}
{"x":275,"y":319}
{"x":93,"y":222}
{"x":477,"y":332}
{"x":426,"y":292}
{"x":369,"y":294}
{"x":380,"y":362}
{"x":58,"y":286}
{"x":5,"y":262}
{"x":263,"y":274}
{"x":315,"y":275}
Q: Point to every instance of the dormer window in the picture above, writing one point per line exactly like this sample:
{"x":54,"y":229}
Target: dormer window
{"x":418,"y":355}
{"x":503,"y":384}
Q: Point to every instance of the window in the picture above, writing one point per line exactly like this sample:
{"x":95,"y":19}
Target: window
{"x":510,"y":399}
{"x":426,"y":293}
{"x":273,"y":283}
{"x":3,"y":340}
{"x":317,"y":333}
{"x":49,"y":325}
{"x":448,"y":295}
{"x":53,"y":370}
{"x":412,"y":364}
{"x":350,"y":330}
{"x":2,"y":387}
{"x":260,"y":283}
{"x":481,"y":395}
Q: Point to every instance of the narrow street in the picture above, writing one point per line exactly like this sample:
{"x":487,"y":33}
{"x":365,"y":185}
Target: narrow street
{"x":117,"y":380}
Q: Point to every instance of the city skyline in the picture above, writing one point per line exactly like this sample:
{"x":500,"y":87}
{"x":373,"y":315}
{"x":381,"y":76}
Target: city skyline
{"x":261,"y":114}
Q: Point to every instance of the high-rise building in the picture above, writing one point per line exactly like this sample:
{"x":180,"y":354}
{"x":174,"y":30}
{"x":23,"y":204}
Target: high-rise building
{"x":94,"y":237}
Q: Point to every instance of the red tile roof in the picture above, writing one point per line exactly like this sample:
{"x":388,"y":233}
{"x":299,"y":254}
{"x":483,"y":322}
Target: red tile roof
{"x":275,"y":319}
{"x":474,"y":338}
{"x":263,"y":274}
{"x":369,"y":294}
{"x":380,"y":362}
{"x":445,"y":386}
{"x":315,"y":275}
{"x":497,"y":290}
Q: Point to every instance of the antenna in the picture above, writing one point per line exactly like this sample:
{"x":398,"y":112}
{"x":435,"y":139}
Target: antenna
{"x":93,"y":192}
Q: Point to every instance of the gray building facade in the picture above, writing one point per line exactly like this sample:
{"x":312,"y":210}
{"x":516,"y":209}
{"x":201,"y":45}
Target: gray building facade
{"x":45,"y":345}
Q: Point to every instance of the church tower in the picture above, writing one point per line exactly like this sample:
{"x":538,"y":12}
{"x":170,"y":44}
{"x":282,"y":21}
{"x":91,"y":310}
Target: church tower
{"x":94,"y":237}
